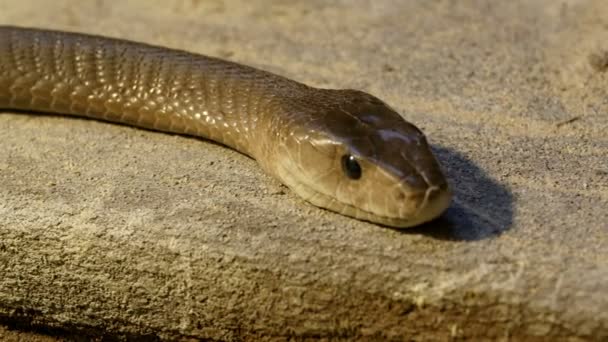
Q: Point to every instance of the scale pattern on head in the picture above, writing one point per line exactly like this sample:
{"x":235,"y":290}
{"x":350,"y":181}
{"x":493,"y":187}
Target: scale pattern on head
{"x":349,"y":152}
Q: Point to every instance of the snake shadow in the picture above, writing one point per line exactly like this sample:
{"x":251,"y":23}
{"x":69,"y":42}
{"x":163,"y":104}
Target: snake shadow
{"x":482,"y":208}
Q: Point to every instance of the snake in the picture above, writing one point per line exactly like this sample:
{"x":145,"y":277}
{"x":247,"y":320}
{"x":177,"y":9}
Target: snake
{"x":342,"y":150}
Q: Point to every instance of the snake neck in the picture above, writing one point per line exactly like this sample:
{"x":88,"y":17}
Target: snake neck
{"x":142,"y":85}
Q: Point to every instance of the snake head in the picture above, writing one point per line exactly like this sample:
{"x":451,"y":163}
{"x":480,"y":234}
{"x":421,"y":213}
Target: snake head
{"x":358,"y":157}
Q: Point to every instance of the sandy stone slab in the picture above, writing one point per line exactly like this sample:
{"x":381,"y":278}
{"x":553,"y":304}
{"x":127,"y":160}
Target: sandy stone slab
{"x":107,"y":230}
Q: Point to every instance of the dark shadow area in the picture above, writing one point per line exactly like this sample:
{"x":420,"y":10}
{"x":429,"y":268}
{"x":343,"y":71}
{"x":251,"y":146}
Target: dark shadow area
{"x":482,"y":208}
{"x":31,"y":320}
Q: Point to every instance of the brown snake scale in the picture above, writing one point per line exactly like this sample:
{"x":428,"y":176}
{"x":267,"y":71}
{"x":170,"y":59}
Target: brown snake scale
{"x":343,"y":150}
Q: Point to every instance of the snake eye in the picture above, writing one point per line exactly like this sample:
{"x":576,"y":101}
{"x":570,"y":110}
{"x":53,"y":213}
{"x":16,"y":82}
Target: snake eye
{"x":351,"y":166}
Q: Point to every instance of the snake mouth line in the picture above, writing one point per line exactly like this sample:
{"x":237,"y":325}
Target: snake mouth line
{"x":436,"y":201}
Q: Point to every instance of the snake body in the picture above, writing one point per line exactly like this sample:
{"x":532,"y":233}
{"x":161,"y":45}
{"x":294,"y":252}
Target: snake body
{"x":343,"y":150}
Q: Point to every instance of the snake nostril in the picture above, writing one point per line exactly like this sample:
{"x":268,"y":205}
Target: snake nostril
{"x":433,"y":192}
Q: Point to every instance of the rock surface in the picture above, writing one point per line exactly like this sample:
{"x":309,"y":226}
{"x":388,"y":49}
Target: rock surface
{"x":107,"y":230}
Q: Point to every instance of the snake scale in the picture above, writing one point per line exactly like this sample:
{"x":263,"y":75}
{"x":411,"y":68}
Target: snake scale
{"x":342,"y":150}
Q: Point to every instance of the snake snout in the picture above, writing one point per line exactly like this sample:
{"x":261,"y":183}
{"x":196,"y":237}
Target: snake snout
{"x":436,"y":200}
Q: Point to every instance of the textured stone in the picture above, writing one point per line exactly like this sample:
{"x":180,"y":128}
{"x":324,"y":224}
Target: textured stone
{"x":107,"y":230}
